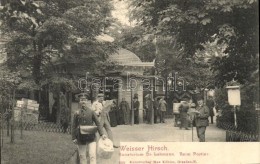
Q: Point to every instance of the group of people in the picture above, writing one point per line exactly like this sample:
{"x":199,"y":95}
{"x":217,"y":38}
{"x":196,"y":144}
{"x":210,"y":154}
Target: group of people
{"x":157,"y":106}
{"x":99,"y":115}
{"x":122,"y":114}
{"x":196,"y":115}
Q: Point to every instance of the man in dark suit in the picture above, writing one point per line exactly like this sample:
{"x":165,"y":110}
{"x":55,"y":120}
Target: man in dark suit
{"x":136,"y":105}
{"x":149,"y":108}
{"x":156,"y":109}
{"x":201,"y":119}
{"x":210,"y":104}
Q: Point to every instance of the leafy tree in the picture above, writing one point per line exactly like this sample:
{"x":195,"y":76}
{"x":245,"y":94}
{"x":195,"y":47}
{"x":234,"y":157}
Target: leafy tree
{"x":8,"y":82}
{"x":137,"y":40}
{"x":40,"y":31}
{"x":192,"y":23}
{"x":51,"y":34}
{"x":168,"y":56}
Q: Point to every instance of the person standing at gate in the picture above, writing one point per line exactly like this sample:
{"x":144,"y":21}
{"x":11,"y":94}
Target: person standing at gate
{"x":183,"y":109}
{"x":162,"y":109}
{"x":149,"y":108}
{"x":156,"y":109}
{"x":210,"y":104}
{"x":120,"y":116}
{"x":136,"y":105}
{"x":201,"y":119}
{"x":124,"y":108}
{"x":113,"y":114}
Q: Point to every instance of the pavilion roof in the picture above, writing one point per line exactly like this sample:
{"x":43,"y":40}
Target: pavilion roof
{"x":127,"y":58}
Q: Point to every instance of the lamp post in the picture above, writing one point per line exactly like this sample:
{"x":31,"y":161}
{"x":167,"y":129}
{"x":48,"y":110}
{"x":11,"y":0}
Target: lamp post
{"x":132,"y":106}
{"x":234,"y":99}
{"x":169,"y":97}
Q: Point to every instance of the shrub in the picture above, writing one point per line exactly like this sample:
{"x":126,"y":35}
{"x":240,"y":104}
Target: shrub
{"x":247,"y":117}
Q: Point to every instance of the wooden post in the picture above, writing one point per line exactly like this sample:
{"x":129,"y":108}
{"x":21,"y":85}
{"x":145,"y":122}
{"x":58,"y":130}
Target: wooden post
{"x":12,"y":119}
{"x":258,"y":120}
{"x":166,"y":88}
{"x":152,"y":96}
{"x":1,"y":144}
{"x":8,"y":120}
{"x":8,"y":127}
{"x":2,"y":131}
{"x":192,"y":131}
{"x":205,"y":99}
{"x":132,"y":106}
{"x":70,"y":104}
{"x":235,"y":117}
{"x":1,"y":120}
{"x":59,"y":105}
{"x":21,"y":123}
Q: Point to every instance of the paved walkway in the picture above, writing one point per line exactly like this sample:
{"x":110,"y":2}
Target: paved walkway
{"x":162,"y":132}
{"x":165,"y":132}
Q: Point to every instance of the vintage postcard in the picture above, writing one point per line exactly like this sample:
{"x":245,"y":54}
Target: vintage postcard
{"x":129,"y":82}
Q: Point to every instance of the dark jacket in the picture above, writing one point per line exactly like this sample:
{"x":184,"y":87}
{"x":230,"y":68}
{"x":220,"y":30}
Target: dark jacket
{"x":183,"y":109}
{"x":202,"y":118}
{"x":210,"y":104}
{"x":124,"y":106}
{"x":149,"y":105}
{"x":136,"y":105}
{"x":156,"y":107}
{"x":85,"y":116}
{"x":113,"y":116}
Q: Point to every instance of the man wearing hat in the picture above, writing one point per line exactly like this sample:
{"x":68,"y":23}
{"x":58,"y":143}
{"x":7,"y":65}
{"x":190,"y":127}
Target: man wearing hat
{"x":97,"y":105}
{"x":162,"y":108}
{"x":82,"y":98}
{"x":149,"y":108}
{"x":86,"y":141}
{"x":201,"y":119}
{"x":210,"y":104}
{"x":136,"y":106}
{"x":103,"y":114}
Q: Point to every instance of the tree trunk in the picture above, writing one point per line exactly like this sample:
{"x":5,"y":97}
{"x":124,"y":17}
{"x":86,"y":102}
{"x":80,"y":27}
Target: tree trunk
{"x":12,"y":119}
{"x":59,"y":104}
{"x":70,"y":104}
{"x":37,"y":63}
{"x":37,"y":67}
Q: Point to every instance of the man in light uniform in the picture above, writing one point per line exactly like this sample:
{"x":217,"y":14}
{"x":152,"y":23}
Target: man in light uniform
{"x":103,"y":114}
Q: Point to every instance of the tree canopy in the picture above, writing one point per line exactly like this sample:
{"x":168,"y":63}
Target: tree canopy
{"x":194,"y":23}
{"x":40,"y":31}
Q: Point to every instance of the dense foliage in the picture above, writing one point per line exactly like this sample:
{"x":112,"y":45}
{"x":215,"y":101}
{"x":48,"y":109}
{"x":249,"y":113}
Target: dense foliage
{"x":41,"y":32}
{"x":194,"y":23}
{"x":8,"y":83}
{"x":211,"y":43}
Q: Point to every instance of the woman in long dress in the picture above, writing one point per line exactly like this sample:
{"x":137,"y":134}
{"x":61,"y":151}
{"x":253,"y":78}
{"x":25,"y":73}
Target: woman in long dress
{"x":113,"y":114}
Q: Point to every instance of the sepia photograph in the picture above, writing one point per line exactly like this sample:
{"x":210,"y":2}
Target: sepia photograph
{"x":129,"y":82}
